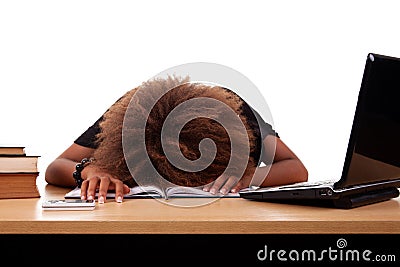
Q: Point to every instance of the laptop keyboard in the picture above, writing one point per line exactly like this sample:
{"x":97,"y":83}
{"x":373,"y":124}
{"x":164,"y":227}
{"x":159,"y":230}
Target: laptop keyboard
{"x":309,"y":184}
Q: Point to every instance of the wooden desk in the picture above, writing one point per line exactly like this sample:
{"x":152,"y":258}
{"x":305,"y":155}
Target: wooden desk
{"x":224,"y":216}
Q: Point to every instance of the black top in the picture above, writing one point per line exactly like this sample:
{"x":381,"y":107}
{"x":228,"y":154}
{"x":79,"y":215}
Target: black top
{"x":88,"y":138}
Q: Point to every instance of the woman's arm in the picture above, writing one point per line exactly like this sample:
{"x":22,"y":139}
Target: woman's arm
{"x":59,"y":172}
{"x":286,"y":167}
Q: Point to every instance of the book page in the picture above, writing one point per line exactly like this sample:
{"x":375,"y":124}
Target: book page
{"x":154,"y":192}
{"x":193,"y":192}
{"x":149,"y":190}
{"x":135,"y":192}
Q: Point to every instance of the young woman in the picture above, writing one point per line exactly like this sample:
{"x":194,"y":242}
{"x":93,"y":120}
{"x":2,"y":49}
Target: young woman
{"x":118,"y":149}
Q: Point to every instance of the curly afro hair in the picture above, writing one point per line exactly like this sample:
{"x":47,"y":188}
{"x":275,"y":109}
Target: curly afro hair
{"x":112,"y":157}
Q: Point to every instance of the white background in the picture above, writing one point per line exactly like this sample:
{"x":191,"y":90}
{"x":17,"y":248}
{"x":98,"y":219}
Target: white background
{"x":63,"y":63}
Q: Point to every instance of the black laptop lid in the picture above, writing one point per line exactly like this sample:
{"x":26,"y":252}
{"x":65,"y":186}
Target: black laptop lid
{"x":373,"y":153}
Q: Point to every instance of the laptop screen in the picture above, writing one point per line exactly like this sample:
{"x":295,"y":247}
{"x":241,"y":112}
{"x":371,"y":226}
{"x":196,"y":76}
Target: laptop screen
{"x":373,"y":153}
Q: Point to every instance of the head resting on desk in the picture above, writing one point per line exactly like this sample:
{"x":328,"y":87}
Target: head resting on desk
{"x":196,"y":120}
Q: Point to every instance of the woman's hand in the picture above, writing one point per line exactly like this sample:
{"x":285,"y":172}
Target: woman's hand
{"x":95,"y":180}
{"x":286,"y":168}
{"x":224,"y":184}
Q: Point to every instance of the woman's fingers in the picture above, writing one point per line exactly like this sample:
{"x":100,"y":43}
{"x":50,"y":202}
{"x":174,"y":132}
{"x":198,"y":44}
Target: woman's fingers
{"x":89,"y":187}
{"x":222,"y":184}
{"x":103,"y":188}
{"x":231,"y":182}
{"x":120,"y":189}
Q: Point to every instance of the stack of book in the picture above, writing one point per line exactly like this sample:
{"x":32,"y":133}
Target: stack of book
{"x":18,"y":173}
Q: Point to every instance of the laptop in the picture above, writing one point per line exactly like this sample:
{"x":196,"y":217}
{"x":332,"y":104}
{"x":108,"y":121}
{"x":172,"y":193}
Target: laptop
{"x":371,"y":169}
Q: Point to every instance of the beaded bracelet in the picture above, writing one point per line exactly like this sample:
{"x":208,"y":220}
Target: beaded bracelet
{"x":78,"y":170}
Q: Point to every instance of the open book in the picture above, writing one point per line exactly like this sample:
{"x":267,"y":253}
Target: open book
{"x":155,"y":192}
